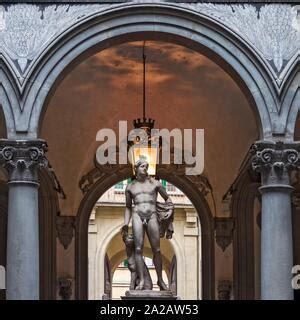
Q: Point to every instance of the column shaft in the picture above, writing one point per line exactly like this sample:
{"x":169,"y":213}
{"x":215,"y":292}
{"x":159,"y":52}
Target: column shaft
{"x":22,"y":276}
{"x":276,"y":245}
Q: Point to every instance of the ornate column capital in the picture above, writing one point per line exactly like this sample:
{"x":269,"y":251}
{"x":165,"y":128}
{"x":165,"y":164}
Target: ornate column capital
{"x":23,"y":158}
{"x":274,"y":161}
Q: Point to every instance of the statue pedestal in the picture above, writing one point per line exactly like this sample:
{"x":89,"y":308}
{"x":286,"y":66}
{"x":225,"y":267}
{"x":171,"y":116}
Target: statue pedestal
{"x":148,"y":295}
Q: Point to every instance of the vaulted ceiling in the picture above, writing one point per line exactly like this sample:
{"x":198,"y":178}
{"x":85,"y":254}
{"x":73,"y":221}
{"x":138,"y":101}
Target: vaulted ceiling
{"x":184,"y":90}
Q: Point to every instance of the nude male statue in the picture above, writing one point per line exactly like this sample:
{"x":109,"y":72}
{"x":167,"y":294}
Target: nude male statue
{"x":142,"y":192}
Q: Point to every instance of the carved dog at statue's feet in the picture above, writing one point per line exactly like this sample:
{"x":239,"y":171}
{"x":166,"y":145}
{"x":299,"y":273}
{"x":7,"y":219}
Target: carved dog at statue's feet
{"x":130,"y":250}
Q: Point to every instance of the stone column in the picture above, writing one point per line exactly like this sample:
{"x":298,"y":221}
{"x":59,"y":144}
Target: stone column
{"x":22,"y":159}
{"x":275,"y":161}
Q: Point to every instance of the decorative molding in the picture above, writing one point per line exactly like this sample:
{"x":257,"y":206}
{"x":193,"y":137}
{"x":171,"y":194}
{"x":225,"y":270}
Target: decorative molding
{"x":273,"y":30}
{"x":22,"y":159}
{"x":202,"y":183}
{"x":65,"y":288}
{"x":224,"y":289}
{"x":224,"y":231}
{"x":274,"y":160}
{"x":65,"y":226}
{"x":88,"y":180}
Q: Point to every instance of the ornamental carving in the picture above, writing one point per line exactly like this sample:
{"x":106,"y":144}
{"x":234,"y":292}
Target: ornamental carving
{"x":23,"y":158}
{"x":224,"y":232}
{"x":277,"y":155}
{"x":65,"y":226}
{"x":272,"y":29}
{"x":65,"y":288}
{"x":26,"y":30}
{"x":275,"y":160}
{"x":224,"y":289}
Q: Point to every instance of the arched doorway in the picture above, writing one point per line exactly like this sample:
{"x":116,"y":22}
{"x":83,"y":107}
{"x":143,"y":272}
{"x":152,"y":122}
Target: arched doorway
{"x":190,"y":190}
{"x":84,"y":165}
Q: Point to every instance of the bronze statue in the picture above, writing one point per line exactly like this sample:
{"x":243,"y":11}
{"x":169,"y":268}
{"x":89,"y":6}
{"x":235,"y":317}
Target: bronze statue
{"x":150,"y":216}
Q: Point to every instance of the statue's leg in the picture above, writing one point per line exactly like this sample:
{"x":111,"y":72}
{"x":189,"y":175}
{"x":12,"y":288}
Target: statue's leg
{"x":138,"y":233}
{"x":154,"y":239}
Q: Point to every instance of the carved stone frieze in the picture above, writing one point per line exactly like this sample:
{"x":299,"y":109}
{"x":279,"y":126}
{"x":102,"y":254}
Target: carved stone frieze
{"x":26,"y":29}
{"x":273,"y":30}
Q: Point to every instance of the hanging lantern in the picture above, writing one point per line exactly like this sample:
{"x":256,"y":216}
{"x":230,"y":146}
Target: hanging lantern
{"x":145,"y":146}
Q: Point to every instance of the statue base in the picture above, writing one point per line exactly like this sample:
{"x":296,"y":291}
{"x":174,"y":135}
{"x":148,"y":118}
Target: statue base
{"x":149,"y":295}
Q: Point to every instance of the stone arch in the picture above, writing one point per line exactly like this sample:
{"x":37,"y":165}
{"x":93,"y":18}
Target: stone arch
{"x":166,"y":22}
{"x":291,"y":101}
{"x":9,"y":102}
{"x":191,"y":191}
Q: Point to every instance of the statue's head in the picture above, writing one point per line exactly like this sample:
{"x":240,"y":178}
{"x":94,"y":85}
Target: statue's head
{"x":141,"y":167}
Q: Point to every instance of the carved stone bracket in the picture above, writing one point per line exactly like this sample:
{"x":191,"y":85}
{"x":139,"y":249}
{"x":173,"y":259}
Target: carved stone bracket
{"x":224,"y":231}
{"x":275,"y":160}
{"x":65,"y":288}
{"x":65,"y":226}
{"x":22,"y":159}
{"x":224,"y":289}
